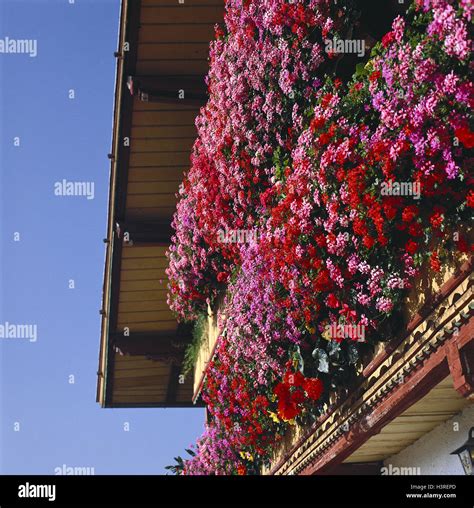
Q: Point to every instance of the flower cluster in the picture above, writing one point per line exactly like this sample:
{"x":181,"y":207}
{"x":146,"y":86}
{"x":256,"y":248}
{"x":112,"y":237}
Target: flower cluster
{"x":351,"y":187}
{"x":293,"y":391}
{"x":263,"y":75}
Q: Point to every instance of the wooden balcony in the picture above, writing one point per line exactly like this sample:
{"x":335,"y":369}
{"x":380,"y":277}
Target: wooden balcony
{"x":208,"y":346}
{"x":410,"y":384}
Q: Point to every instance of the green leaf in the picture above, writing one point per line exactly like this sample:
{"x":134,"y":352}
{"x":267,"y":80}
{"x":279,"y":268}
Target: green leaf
{"x":360,"y":69}
{"x":299,"y":359}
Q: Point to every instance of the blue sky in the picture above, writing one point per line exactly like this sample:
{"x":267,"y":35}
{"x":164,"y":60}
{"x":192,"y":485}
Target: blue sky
{"x":60,"y":238}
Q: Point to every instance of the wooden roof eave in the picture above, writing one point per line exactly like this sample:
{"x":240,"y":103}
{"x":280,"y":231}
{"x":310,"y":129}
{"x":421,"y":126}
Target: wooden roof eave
{"x":122,"y":121}
{"x":159,"y":88}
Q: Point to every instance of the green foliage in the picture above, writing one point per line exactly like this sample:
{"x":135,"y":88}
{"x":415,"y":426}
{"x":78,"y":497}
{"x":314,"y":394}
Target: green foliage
{"x":192,"y":351}
{"x":178,"y":468}
{"x":280,"y":162}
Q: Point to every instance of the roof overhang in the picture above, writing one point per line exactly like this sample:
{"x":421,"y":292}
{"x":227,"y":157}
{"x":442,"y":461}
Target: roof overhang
{"x":163,"y":50}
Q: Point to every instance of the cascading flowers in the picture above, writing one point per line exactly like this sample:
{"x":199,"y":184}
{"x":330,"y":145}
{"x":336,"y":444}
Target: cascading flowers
{"x":350,"y":189}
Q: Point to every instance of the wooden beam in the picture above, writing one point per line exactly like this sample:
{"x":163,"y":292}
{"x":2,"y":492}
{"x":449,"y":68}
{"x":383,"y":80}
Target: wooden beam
{"x":132,"y":405}
{"x":166,"y":346}
{"x":182,"y":90}
{"x":146,"y":232}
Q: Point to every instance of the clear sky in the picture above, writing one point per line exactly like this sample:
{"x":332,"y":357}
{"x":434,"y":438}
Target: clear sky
{"x":60,"y":239}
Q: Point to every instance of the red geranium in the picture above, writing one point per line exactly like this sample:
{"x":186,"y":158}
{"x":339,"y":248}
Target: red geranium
{"x":434,"y":262}
{"x":411,"y":247}
{"x":287,"y":409}
{"x":241,"y":470}
{"x":436,"y":219}
{"x":387,"y":39}
{"x":323,"y":281}
{"x":222,"y":276}
{"x":470,"y":199}
{"x":368,"y":241}
{"x":293,"y":378}
{"x":261,"y":401}
{"x":282,"y":391}
{"x":316,"y":123}
{"x":313,"y":388}
{"x":390,"y":207}
{"x":465,"y":136}
{"x":415,"y":229}
{"x":375,"y":76}
{"x":297,"y":396}
{"x":409,"y":213}
{"x":332,"y":301}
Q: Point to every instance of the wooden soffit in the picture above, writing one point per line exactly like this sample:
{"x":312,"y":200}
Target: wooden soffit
{"x":161,"y":65}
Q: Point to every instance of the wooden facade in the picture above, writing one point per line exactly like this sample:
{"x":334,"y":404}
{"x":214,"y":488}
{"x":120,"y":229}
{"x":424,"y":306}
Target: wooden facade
{"x":207,"y":349}
{"x":161,"y":65}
